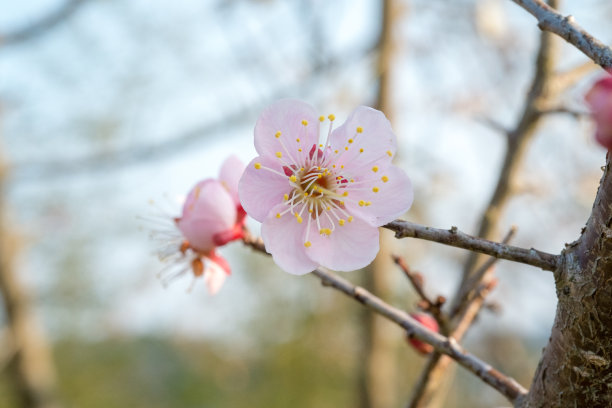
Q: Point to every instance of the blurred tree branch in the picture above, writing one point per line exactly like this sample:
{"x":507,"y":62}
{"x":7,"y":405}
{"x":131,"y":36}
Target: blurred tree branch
{"x":45,"y":24}
{"x":378,"y":367}
{"x":29,"y":361}
{"x":44,"y":170}
{"x":466,"y":303}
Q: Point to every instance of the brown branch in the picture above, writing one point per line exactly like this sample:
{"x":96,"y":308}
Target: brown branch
{"x":543,"y":92}
{"x":551,"y":20}
{"x":446,"y":345}
{"x":42,"y":26}
{"x":430,"y":305}
{"x":507,"y":386}
{"x":456,"y":238}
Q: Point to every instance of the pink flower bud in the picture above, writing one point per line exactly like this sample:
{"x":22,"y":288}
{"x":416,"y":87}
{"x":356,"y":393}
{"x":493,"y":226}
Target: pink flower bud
{"x":212,"y":217}
{"x":429,"y":322}
{"x":599,"y":99}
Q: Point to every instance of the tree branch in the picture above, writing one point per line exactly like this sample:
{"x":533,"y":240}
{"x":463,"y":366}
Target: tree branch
{"x":507,"y":386}
{"x":456,"y":238}
{"x":40,"y":27}
{"x":447,"y":345}
{"x":551,"y":20}
{"x":430,"y":305}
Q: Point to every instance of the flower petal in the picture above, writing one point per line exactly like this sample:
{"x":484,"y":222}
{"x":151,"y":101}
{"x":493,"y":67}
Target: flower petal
{"x":349,"y":247}
{"x":261,"y":189}
{"x":377,"y":201}
{"x":286,"y":116}
{"x":229,"y":175}
{"x":375,"y":143}
{"x":208,"y":210}
{"x":284,"y":239}
{"x":214,"y":275}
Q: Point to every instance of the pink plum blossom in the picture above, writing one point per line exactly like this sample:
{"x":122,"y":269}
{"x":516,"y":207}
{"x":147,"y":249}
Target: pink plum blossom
{"x":211,"y":217}
{"x":599,"y":99}
{"x":321,"y":202}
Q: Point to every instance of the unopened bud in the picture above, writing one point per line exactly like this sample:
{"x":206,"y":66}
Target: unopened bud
{"x":429,"y":322}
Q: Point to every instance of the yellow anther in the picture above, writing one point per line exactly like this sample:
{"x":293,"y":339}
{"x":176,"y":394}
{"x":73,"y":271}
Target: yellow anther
{"x":359,"y":129}
{"x":293,"y":179}
{"x":285,"y":197}
{"x":350,"y":140}
{"x":299,"y":150}
{"x":331,"y":117}
{"x":341,"y":222}
{"x":320,"y":145}
{"x":257,"y":166}
{"x":336,"y":151}
{"x":361,"y":150}
{"x":301,"y":169}
{"x":320,"y":176}
{"x":304,"y":122}
{"x":368,"y":203}
{"x":277,"y":134}
{"x":310,"y":210}
{"x":352,"y":180}
{"x":342,"y":166}
{"x":299,"y":219}
{"x":325,"y":231}
{"x":350,"y":219}
{"x":389,"y":153}
{"x":319,"y":168}
{"x":346,"y":148}
{"x":334,"y":166}
{"x":297,"y":140}
{"x":278,"y":215}
{"x":307,"y":244}
{"x":279,"y":154}
{"x":305,"y":193}
{"x":345,"y":194}
{"x":361,"y":203}
{"x":375,"y":169}
{"x":328,"y":208}
{"x":384,"y":179}
{"x":375,"y":189}
{"x":321,"y":118}
{"x":341,"y":202}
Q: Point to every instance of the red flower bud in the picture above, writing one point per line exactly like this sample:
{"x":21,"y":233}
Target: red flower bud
{"x":429,"y":322}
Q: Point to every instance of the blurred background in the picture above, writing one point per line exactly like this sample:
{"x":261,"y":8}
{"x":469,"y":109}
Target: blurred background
{"x":107,"y":106}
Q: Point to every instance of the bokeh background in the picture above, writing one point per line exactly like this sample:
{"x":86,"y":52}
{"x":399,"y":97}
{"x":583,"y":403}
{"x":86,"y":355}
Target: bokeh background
{"x":111,"y":113}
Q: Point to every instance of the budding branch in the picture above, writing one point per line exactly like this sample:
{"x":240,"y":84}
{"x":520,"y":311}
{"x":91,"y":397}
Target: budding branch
{"x":507,"y":386}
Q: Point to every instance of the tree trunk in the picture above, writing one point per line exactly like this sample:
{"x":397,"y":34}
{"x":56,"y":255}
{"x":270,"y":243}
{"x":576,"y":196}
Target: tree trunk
{"x":576,"y":367}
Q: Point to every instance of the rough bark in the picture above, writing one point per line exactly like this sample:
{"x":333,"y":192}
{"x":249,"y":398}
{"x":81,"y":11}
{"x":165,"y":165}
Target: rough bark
{"x":576,"y":367}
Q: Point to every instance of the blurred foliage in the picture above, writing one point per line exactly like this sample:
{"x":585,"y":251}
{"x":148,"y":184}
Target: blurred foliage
{"x":316,"y":368}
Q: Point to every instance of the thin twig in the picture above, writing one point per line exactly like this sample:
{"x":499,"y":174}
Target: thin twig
{"x":430,"y":305}
{"x":456,"y":238}
{"x":40,"y":27}
{"x":551,"y":20}
{"x":507,"y":386}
